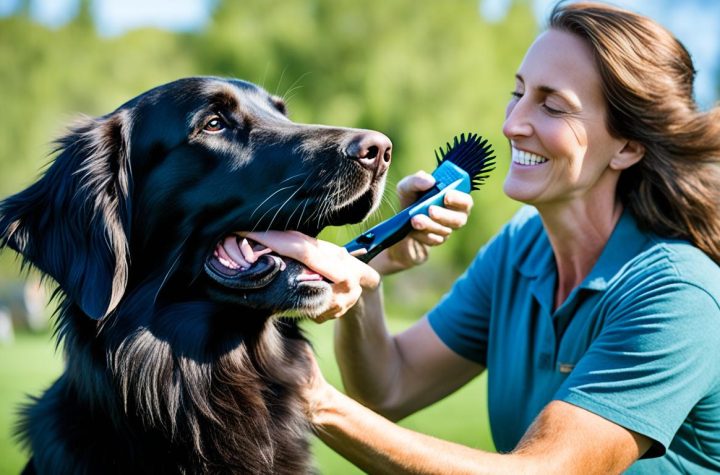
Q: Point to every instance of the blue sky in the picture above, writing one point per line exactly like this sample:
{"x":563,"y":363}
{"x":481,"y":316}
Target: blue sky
{"x":114,"y":17}
{"x":695,"y":22}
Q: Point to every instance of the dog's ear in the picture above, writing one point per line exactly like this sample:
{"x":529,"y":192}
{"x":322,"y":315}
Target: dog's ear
{"x":73,"y":224}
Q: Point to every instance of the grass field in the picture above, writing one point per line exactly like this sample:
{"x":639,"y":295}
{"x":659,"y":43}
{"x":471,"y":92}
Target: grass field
{"x":30,"y":364}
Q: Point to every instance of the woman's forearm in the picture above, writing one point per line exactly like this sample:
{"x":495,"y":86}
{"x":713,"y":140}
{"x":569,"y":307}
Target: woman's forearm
{"x":365,"y":351}
{"x":379,"y":446}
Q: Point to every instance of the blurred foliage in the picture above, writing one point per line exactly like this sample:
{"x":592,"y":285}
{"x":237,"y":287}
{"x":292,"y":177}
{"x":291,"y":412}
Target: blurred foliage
{"x":419,"y":72}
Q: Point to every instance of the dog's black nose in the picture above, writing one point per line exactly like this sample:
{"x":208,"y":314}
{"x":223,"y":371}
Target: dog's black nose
{"x":372,"y":150}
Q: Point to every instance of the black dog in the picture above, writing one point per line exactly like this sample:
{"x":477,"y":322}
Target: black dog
{"x":175,"y":362}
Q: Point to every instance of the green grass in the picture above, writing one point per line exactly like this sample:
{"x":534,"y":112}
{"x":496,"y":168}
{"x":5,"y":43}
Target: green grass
{"x":27,"y":366}
{"x":30,"y":364}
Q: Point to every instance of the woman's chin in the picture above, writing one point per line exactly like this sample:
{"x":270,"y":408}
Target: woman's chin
{"x":520,"y":191}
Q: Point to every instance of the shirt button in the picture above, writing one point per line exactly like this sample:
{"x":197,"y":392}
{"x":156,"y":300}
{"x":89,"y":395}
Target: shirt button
{"x":565,"y":367}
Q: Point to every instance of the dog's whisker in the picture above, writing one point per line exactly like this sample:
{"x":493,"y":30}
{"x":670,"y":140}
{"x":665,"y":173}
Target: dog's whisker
{"x":302,"y":213}
{"x":175,"y":261}
{"x":289,"y":219}
{"x":282,"y":75}
{"x":257,"y":223}
{"x":295,"y":176}
{"x":265,"y":72}
{"x":268,"y":198}
{"x":299,"y":187}
{"x":320,"y":199}
{"x":294,"y":87}
{"x":282,"y":206}
{"x":389,"y":203}
{"x":320,"y":210}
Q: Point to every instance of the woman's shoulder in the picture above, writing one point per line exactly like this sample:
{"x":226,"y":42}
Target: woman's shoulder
{"x":674,"y":262}
{"x":680,"y":257}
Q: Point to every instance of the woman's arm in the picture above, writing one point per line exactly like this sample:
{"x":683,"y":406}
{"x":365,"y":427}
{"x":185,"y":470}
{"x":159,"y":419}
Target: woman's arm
{"x":375,"y":364}
{"x":395,"y":375}
{"x":563,"y":439}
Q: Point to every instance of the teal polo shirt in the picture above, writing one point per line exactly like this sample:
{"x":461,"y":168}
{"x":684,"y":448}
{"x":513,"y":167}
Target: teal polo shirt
{"x":637,"y":342}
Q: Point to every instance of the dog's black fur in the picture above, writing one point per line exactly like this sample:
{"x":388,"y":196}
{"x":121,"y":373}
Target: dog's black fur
{"x":167,"y":370}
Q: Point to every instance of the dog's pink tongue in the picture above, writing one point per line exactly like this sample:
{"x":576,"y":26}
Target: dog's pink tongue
{"x":237,"y":253}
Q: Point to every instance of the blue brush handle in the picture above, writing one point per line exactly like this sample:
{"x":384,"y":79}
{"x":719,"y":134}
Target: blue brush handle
{"x":392,"y":230}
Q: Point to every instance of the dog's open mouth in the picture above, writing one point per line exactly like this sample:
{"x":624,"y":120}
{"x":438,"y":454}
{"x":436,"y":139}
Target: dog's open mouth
{"x":238,"y":262}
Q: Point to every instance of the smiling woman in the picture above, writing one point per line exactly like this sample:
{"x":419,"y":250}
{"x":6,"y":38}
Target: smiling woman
{"x":596,"y":309}
{"x":562,"y":151}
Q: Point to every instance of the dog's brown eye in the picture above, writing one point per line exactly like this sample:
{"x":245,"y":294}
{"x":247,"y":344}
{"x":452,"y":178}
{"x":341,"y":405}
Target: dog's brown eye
{"x":215,"y":124}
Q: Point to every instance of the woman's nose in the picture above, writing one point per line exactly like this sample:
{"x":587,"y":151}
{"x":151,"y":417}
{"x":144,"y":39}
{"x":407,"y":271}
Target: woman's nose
{"x":517,"y":120}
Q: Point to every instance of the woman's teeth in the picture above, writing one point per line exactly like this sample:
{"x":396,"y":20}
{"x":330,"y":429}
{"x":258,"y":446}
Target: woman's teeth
{"x":526,"y":158}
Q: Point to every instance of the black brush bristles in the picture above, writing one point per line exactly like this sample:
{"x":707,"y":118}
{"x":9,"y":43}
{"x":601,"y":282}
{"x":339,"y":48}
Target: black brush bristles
{"x":472,"y":153}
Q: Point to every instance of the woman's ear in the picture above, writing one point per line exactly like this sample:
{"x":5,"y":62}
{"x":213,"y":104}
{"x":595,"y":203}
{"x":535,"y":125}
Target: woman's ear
{"x":631,"y":153}
{"x":73,"y":223}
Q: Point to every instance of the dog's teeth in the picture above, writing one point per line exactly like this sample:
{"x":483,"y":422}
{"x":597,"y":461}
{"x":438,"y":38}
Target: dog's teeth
{"x":279,"y":260}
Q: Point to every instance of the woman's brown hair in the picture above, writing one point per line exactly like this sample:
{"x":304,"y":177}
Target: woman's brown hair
{"x":647,"y":76}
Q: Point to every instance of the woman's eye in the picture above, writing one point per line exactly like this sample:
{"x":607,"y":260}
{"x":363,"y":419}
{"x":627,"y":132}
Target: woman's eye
{"x":516,"y":95}
{"x":552,"y":110}
{"x":215,"y":124}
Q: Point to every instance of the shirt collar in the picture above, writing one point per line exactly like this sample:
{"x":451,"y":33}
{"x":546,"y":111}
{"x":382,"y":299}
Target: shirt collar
{"x":625,"y":242}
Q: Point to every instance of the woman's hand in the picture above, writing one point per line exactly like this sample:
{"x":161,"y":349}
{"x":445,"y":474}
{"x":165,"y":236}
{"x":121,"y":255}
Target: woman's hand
{"x":427,"y":231}
{"x":348,"y":276}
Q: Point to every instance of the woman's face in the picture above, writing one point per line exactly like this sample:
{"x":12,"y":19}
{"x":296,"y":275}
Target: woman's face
{"x":555,"y":121}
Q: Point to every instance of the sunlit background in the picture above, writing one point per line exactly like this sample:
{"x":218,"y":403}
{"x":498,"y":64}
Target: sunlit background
{"x":420,"y":72}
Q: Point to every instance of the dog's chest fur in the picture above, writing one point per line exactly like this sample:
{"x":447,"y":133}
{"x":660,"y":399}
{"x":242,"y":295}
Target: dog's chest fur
{"x":141,"y":408}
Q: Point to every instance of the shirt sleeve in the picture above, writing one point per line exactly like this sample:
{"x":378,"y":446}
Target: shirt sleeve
{"x":655,"y":358}
{"x":461,"y":317}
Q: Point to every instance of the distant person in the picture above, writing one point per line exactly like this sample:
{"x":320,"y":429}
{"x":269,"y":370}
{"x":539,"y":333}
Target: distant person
{"x":595,"y":309}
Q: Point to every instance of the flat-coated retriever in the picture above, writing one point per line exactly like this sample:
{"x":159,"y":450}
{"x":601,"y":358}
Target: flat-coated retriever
{"x":177,"y":360}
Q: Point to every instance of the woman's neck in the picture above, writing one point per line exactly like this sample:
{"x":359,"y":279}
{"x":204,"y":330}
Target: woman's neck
{"x":578,"y":233}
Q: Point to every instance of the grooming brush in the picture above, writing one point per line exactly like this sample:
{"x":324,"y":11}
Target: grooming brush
{"x":463,"y":166}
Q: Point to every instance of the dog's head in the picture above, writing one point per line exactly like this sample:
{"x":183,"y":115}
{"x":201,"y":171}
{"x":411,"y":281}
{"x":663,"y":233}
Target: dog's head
{"x":155,"y":192}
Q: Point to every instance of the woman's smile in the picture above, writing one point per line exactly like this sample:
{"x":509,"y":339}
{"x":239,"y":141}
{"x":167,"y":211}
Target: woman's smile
{"x":526,"y":159}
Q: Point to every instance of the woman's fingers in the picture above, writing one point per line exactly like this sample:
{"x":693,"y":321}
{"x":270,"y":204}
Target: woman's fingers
{"x":458,"y":201}
{"x":440,"y":222}
{"x":347,"y":274}
{"x":331,"y":261}
{"x":427,"y":225}
{"x":412,"y":186}
{"x":345,"y":296}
